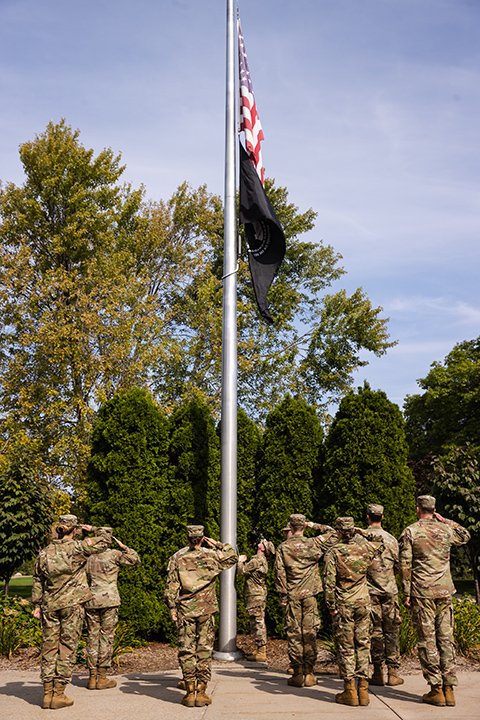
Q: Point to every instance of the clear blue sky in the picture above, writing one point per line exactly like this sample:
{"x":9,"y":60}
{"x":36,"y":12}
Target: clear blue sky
{"x":371,"y":112}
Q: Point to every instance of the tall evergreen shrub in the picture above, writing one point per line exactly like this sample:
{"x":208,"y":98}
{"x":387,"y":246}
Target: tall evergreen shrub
{"x":130,"y":487}
{"x":288,"y":471}
{"x":194,"y":457}
{"x":366,"y":461}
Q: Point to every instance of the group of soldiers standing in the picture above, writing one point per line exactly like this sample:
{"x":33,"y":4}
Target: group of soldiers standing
{"x":75,"y":580}
{"x":359,"y":568}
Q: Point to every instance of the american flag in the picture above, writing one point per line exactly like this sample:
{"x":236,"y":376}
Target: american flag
{"x":249,"y":120}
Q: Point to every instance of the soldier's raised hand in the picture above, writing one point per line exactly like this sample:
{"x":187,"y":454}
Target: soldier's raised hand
{"x":121,"y":545}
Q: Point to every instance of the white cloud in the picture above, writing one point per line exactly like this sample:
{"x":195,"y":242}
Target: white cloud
{"x":457,"y":310}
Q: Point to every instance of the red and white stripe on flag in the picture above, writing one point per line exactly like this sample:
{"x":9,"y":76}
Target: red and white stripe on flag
{"x":249,"y":120}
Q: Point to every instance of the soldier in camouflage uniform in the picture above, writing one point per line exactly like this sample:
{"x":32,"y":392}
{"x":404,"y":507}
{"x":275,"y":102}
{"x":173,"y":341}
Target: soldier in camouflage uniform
{"x":298,"y":583}
{"x":255,"y":572}
{"x":348,"y":601}
{"x":385,"y":613}
{"x":59,"y":591}
{"x":101,"y":612}
{"x":428,"y":587}
{"x":191,"y":597}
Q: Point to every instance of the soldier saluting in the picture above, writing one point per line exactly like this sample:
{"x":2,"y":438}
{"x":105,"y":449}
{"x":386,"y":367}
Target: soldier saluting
{"x":59,"y":592}
{"x":428,"y":588}
{"x":191,"y":597}
{"x":101,"y":612}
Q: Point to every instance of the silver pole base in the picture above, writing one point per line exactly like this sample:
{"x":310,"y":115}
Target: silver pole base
{"x":227,"y":656}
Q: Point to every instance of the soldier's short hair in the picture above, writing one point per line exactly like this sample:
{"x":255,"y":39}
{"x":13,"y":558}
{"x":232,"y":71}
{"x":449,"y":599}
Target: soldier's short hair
{"x":297,"y":520}
{"x":426,"y":502}
{"x":195,"y":531}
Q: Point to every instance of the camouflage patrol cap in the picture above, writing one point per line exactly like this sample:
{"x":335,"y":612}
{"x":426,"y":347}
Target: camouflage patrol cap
{"x":286,"y":529}
{"x":105,"y":532}
{"x":68,"y":521}
{"x":374,"y":509}
{"x":195,"y":531}
{"x":344,"y":523}
{"x":297,"y":520}
{"x":426,"y":502}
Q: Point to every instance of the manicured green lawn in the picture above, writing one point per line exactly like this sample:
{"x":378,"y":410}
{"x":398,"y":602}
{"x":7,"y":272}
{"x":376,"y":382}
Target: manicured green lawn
{"x":20,"y":586}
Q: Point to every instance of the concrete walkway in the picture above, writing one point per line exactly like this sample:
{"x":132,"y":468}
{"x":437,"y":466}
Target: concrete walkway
{"x":239,"y":692}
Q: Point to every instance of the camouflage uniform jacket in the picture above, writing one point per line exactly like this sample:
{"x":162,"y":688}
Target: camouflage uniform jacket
{"x":345,"y":572}
{"x":255,"y":572}
{"x":190,"y":585}
{"x":59,"y":577}
{"x":381,"y":572}
{"x":296,"y":564}
{"x":425,"y":557}
{"x":102,"y":575}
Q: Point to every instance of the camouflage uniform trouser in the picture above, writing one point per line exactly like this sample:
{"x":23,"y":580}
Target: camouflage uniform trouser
{"x":433,"y":620}
{"x":352,"y":637}
{"x":258,"y":629}
{"x":101,"y":624}
{"x":195,"y":647}
{"x":302,"y":623}
{"x":61,"y":630}
{"x":386,"y":620}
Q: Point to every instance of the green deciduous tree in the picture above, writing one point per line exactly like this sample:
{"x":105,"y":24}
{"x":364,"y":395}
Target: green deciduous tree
{"x":366,"y":461}
{"x":130,"y":488}
{"x":455,"y":479}
{"x":448,"y":411}
{"x":25,"y":516}
{"x":67,"y":340}
{"x":101,"y":290}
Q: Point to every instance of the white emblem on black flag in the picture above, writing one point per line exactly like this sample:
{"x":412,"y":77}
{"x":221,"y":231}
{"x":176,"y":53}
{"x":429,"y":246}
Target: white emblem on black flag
{"x":264,"y":234}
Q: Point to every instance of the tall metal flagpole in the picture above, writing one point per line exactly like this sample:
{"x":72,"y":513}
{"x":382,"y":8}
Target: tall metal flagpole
{"x":228,"y":513}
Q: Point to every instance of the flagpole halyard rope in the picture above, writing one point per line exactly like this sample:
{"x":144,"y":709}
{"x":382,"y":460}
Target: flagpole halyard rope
{"x":234,"y":272}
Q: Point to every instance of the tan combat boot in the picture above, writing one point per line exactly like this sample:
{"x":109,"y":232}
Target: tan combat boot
{"x":181,"y":685}
{"x":309,"y":680}
{"x":394,"y":678}
{"x":59,"y":699}
{"x":449,"y":695}
{"x":297,"y":678}
{"x":92,"y":679}
{"x":189,"y":699}
{"x":363,"y":698}
{"x":349,"y":696}
{"x":377,"y":677}
{"x":202,"y":698}
{"x":435,"y":696}
{"x":47,"y":694}
{"x":104,"y":683}
{"x":259,"y":656}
